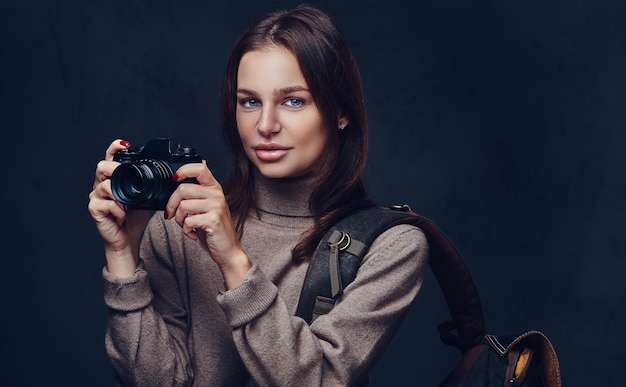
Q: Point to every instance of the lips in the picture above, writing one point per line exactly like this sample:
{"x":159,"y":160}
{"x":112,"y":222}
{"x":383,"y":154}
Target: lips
{"x":270,"y":152}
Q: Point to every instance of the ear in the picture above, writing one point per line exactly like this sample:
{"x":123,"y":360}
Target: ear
{"x":343,"y":122}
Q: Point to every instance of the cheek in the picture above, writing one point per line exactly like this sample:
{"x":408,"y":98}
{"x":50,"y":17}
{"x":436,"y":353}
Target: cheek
{"x":317,"y":141}
{"x":311,"y":129}
{"x":244,"y":127}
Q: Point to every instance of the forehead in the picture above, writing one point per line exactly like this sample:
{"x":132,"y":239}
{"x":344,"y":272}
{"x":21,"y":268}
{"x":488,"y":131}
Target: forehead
{"x":272,"y":67}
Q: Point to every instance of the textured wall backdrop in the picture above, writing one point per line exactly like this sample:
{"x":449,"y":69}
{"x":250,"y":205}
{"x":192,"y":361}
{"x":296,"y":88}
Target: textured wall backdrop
{"x":502,"y":121}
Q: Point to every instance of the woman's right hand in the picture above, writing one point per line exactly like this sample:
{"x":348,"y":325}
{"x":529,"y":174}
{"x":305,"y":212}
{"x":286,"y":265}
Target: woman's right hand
{"x":119,"y":227}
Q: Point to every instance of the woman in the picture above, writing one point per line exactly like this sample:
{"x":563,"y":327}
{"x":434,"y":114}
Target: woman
{"x":208,"y":297}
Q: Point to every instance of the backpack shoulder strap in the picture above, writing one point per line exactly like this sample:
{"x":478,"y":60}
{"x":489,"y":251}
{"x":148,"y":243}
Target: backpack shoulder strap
{"x":339,"y":254}
{"x":338,"y":257}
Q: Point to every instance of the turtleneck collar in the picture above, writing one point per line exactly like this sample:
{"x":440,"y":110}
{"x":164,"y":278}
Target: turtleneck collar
{"x":283,"y":197}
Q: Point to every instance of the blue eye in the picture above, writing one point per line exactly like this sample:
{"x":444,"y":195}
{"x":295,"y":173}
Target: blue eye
{"x":250,"y":103}
{"x":294,"y":102}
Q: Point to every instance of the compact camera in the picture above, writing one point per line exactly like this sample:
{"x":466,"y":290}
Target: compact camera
{"x":143,"y":180}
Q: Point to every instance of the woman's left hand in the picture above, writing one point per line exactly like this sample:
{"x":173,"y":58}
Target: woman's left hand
{"x":202,"y":211}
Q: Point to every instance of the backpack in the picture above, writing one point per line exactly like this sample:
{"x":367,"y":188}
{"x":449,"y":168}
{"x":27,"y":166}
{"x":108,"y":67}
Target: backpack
{"x":527,"y":359}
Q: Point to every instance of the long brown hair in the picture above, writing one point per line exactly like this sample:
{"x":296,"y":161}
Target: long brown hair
{"x":333,"y":79}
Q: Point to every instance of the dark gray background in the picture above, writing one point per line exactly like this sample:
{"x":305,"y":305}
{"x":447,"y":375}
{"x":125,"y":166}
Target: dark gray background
{"x":501,"y":120}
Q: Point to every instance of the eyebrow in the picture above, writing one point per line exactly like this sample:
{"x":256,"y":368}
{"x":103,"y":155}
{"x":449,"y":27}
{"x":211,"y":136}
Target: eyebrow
{"x":291,"y":89}
{"x":283,"y":91}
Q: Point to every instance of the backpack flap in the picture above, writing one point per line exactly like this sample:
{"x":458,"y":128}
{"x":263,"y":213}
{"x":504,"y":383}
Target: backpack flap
{"x":531,"y":349}
{"x":527,"y":360}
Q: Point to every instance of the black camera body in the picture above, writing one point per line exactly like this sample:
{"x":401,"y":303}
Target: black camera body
{"x":143,"y":180}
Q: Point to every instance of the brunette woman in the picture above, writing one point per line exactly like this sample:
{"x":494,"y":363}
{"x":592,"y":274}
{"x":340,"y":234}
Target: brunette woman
{"x":208,"y":297}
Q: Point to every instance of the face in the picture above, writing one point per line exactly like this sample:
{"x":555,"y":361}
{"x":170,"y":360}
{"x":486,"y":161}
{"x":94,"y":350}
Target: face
{"x":279,"y":124}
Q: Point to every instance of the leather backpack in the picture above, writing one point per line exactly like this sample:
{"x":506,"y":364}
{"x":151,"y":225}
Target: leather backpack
{"x":527,"y":359}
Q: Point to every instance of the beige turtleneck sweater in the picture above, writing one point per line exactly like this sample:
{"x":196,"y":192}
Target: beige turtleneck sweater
{"x":174,"y":324}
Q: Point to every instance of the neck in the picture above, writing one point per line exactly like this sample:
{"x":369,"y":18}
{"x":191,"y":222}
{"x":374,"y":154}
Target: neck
{"x":288,"y":197}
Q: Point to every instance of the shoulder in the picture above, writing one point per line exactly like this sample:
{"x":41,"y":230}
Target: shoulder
{"x":388,"y":231}
{"x":401,"y":236}
{"x":404,"y":244}
{"x":396,"y":261}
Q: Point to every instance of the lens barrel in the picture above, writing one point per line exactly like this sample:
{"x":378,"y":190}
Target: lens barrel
{"x":145,"y":184}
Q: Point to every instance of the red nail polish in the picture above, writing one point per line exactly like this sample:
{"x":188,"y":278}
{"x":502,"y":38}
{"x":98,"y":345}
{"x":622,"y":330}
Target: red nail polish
{"x":125,"y":143}
{"x":175,"y":177}
{"x":165,"y":214}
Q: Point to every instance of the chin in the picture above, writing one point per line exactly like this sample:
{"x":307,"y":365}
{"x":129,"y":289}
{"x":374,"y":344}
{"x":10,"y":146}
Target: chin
{"x":278,"y":175}
{"x":274,"y":173}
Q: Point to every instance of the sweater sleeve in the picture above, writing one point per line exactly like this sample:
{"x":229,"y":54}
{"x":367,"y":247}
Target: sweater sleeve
{"x":341,"y":347}
{"x":147,"y":348}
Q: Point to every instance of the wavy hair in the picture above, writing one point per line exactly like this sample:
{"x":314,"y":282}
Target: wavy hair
{"x":333,"y":79}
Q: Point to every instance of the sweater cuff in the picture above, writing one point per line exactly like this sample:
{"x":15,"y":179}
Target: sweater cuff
{"x":249,"y":300}
{"x":127,"y":294}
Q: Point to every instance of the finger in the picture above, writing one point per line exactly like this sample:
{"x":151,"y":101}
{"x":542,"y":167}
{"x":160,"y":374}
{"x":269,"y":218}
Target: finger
{"x":199,"y":171}
{"x":103,"y":209}
{"x":206,"y":222}
{"x":104,"y":170}
{"x":117,"y":212}
{"x":103,"y":191}
{"x":213,"y":222}
{"x":189,"y":207}
{"x":190,"y":232}
{"x":116,"y":146}
{"x":188,"y":191}
{"x":185,"y":191}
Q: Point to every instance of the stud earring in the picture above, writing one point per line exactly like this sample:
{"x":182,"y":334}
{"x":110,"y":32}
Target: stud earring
{"x":342,"y":126}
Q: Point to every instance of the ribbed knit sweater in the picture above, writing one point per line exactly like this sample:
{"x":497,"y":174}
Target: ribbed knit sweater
{"x":173,"y":323}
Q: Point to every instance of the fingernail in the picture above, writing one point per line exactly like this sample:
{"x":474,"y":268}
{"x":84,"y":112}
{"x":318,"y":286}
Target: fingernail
{"x":165,"y":214}
{"x":175,"y":177}
{"x":125,"y":143}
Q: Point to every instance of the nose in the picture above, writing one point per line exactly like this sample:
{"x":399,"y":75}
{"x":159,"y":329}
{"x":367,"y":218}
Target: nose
{"x":268,"y":123}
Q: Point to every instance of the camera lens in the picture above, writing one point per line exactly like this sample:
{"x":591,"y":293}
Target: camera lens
{"x":144,"y":184}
